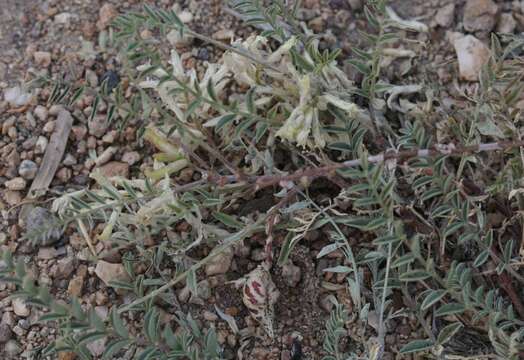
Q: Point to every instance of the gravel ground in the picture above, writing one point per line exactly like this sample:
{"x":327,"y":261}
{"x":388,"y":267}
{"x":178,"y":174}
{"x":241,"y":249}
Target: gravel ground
{"x":64,"y":38}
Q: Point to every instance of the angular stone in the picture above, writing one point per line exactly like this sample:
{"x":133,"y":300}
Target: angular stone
{"x":41,"y":145}
{"x":5,"y":333}
{"x":66,"y":267}
{"x":42,"y":58}
{"x":108,"y":272}
{"x":41,"y":113}
{"x":98,"y":126}
{"x":220,"y":264}
{"x":75,"y":286}
{"x":131,"y":157}
{"x":20,"y":308}
{"x":13,"y":197}
{"x":16,"y":184}
{"x":115,"y":168}
{"x":472,"y":54}
{"x":16,"y":96}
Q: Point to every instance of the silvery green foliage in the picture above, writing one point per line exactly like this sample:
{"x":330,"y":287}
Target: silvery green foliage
{"x":335,"y":331}
{"x":79,"y":327}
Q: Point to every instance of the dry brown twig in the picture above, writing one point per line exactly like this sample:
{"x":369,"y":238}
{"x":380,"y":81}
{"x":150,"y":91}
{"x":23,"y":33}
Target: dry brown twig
{"x":262,"y":181}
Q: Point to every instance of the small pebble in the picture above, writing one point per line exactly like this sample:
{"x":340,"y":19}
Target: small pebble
{"x":210,"y":316}
{"x":79,"y":132}
{"x":54,"y":110}
{"x":41,"y":145}
{"x":15,"y":184}
{"x":28,"y":169}
{"x":19,"y":307}
{"x":105,"y":156}
{"x":64,"y":174}
{"x":69,"y":160}
{"x":291,"y":274}
{"x":13,"y":197}
{"x":115,"y":168}
{"x":5,"y":333}
{"x":220,"y":264}
{"x":131,"y":157}
{"x":98,"y":126}
{"x":41,"y":113}
{"x":49,"y":127}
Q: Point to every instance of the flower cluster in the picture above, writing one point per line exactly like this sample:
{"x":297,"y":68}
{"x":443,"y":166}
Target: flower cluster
{"x":302,"y":96}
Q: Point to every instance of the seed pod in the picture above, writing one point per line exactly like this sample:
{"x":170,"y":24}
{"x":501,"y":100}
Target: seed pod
{"x":259,"y":295}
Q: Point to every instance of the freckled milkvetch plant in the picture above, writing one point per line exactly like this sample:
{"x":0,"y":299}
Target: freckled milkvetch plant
{"x":420,"y":208}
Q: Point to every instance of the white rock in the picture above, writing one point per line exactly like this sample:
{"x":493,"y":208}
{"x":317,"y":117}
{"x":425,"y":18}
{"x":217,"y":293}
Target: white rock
{"x":20,"y":308}
{"x":185,"y":16}
{"x":16,"y":96}
{"x":109,"y":138}
{"x":108,"y":272}
{"x":41,"y":145}
{"x":472,"y":54}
